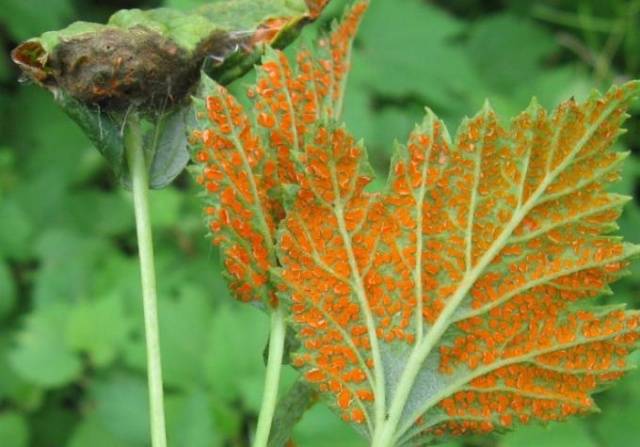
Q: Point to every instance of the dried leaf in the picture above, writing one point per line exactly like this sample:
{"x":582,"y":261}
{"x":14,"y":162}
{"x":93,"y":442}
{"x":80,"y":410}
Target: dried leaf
{"x":151,"y":58}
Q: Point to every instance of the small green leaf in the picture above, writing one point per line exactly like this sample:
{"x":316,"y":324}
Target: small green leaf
{"x":233,"y":363}
{"x":190,"y":422}
{"x":167,"y":143}
{"x":100,"y":328}
{"x":40,"y":356}
{"x":290,"y":410}
{"x":183,"y":328}
{"x":91,"y":433}
{"x":103,"y":129}
{"x":121,"y":407}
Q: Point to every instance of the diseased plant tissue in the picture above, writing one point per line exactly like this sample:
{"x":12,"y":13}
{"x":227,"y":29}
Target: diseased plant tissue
{"x":459,"y":299}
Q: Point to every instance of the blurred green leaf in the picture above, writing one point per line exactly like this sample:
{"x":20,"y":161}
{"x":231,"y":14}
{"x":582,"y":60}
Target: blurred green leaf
{"x":70,"y":262}
{"x":320,"y":428}
{"x":410,"y":47}
{"x":506,"y":50}
{"x":566,"y":434}
{"x":25,"y":18}
{"x":167,"y":143}
{"x":99,"y":213}
{"x":121,"y":407}
{"x":13,"y":388}
{"x":165,"y":208}
{"x":233,"y":360}
{"x":90,"y":433}
{"x":7,"y":290}
{"x":99,"y":328}
{"x":190,"y":421}
{"x":183,"y":330}
{"x":16,"y":230}
{"x":14,"y":431}
{"x":40,"y":355}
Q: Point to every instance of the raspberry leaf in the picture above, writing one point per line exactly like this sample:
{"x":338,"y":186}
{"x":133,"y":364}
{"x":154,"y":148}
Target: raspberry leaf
{"x":246,"y":165}
{"x":458,"y":301}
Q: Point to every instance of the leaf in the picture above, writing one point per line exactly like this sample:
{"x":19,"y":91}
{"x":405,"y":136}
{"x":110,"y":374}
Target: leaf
{"x":90,"y":432}
{"x":506,"y":50}
{"x":16,"y":230}
{"x":40,"y":356}
{"x":454,"y":302}
{"x":102,"y":129}
{"x":394,"y":63}
{"x":153,"y":60}
{"x":189,"y":421}
{"x":99,"y":328}
{"x":168,"y":145}
{"x":242,"y":171}
{"x":234,"y":369}
{"x":121,"y":407}
{"x":7,"y":290}
{"x":154,"y":57}
{"x":24,"y":19}
{"x":574,"y":433}
{"x":165,"y":141}
{"x":14,"y":430}
{"x":14,"y":389}
{"x":289,"y":411}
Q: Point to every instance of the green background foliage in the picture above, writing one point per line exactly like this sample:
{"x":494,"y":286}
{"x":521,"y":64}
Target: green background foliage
{"x":71,"y":342}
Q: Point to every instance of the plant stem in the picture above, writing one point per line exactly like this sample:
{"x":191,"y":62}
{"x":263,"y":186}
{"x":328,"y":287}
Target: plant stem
{"x":272,"y":379}
{"x":140,"y":186}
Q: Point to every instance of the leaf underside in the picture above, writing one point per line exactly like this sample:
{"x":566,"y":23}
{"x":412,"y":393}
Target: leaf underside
{"x":243,"y":166}
{"x":480,"y":254}
{"x":458,"y":300}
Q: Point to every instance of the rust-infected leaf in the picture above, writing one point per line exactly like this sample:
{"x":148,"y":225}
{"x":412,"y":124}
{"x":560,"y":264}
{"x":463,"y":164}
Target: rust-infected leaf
{"x":237,"y":175}
{"x":457,"y":301}
{"x":288,"y":101}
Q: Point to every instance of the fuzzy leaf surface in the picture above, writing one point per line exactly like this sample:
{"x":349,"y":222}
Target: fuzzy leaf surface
{"x":456,"y":301}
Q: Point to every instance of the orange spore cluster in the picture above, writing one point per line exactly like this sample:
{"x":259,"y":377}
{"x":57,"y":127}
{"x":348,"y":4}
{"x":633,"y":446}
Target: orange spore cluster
{"x":289,"y":101}
{"x":518,"y":311}
{"x":317,"y":273}
{"x":234,"y":173}
{"x":345,"y":256}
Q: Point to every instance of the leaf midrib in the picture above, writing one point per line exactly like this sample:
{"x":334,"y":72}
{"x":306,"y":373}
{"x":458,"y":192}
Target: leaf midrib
{"x":526,"y":358}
